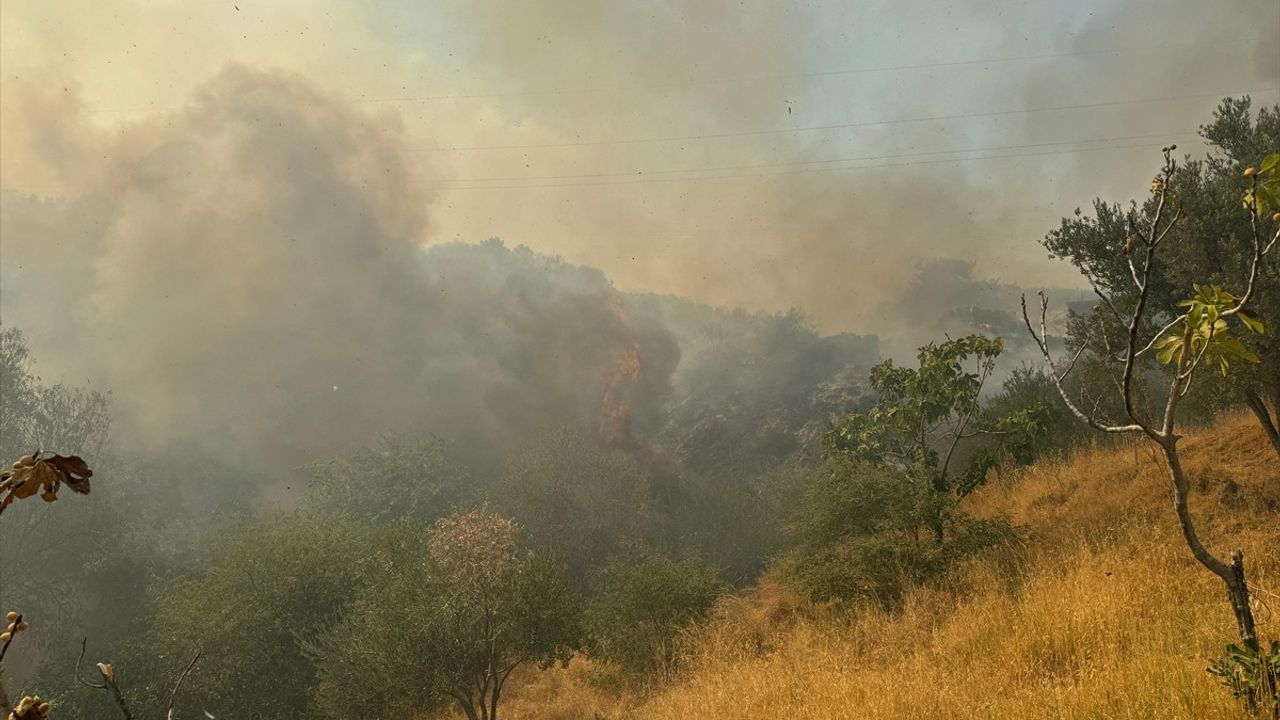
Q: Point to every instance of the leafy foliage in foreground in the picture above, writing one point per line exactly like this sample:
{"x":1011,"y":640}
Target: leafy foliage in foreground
{"x":44,"y":474}
{"x":1252,"y":673}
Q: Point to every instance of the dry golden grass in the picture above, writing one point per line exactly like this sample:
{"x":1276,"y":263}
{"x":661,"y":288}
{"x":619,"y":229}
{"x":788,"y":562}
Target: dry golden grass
{"x":1100,"y":614}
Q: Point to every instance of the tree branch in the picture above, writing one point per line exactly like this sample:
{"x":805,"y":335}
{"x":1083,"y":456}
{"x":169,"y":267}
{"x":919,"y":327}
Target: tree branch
{"x":173,"y":694}
{"x":1160,"y":333}
{"x":985,"y":372}
{"x":108,"y":682}
{"x":79,"y":660}
{"x":1259,"y":251}
{"x":1088,"y":275}
{"x":1175,"y":391}
{"x":4,"y":649}
{"x":1041,"y":340}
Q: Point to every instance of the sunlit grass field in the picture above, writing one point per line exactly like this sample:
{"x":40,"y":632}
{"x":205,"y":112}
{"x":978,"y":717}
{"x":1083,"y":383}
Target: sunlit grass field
{"x":1099,"y":613}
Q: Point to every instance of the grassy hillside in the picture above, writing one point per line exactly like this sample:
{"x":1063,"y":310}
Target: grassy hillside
{"x":1100,"y":613}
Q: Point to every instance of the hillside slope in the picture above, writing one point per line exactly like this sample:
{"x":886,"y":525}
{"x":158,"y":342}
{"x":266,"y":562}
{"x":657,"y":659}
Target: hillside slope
{"x":1100,"y":613}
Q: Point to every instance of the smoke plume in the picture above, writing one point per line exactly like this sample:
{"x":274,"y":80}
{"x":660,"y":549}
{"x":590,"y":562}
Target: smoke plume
{"x":253,"y":278}
{"x":237,"y":252}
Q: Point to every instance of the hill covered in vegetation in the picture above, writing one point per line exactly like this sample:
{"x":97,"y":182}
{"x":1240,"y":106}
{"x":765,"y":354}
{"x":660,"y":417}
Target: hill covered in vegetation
{"x":531,"y":487}
{"x":1096,"y":611}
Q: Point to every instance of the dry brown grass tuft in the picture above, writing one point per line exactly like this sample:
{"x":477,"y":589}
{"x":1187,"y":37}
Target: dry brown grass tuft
{"x":1100,"y":614}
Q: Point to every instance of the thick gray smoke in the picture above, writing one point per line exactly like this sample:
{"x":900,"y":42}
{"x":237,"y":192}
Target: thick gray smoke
{"x":252,"y":278}
{"x":789,"y":227}
{"x":247,"y":271}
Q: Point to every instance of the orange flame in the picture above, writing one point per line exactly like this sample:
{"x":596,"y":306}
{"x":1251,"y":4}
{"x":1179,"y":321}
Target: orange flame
{"x":615,"y":420}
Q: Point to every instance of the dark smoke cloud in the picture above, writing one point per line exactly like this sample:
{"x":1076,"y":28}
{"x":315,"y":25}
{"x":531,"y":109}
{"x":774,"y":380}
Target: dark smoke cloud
{"x":253,"y":279}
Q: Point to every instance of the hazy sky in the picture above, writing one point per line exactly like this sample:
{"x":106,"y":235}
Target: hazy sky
{"x":770,"y":154}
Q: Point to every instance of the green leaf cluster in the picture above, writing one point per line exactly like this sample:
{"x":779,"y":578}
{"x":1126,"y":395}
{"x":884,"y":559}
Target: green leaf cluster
{"x":1264,"y":196}
{"x":1252,"y":673}
{"x":1205,"y":332}
{"x":857,"y":533}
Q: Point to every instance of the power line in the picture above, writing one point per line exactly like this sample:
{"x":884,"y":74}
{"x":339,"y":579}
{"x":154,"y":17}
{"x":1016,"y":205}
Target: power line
{"x":837,"y":126}
{"x":941,"y":161}
{"x":782,"y":76}
{"x":944,"y":161}
{"x":799,"y":163}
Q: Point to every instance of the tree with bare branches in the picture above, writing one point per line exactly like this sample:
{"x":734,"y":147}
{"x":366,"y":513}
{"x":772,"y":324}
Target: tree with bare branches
{"x":1211,"y":244}
{"x":1194,"y":339}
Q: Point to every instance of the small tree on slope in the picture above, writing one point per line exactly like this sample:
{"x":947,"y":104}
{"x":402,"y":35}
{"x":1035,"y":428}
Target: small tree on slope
{"x":1198,"y":335}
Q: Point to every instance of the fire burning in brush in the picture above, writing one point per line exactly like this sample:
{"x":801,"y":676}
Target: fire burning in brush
{"x":615,"y":418}
{"x":615,"y":410}
{"x":629,"y":381}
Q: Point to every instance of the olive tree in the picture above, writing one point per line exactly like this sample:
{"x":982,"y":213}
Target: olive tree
{"x":1211,"y":244}
{"x":642,"y":598}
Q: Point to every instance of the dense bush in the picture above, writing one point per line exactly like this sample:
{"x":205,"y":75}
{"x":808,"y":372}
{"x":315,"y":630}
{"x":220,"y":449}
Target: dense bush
{"x":267,"y":587}
{"x":641,"y":600}
{"x":446,"y":620}
{"x":396,"y":477}
{"x":734,"y":522}
{"x":577,"y":496}
{"x":865,"y":533}
{"x":1026,"y":389}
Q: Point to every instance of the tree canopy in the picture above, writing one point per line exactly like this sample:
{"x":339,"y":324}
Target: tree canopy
{"x":1210,"y":246}
{"x":930,"y":415}
{"x":448,"y":620}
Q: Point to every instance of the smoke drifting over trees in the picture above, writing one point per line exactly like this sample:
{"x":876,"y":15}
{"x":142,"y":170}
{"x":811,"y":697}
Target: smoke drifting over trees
{"x":624,"y":306}
{"x":248,"y":268}
{"x":255,"y":278}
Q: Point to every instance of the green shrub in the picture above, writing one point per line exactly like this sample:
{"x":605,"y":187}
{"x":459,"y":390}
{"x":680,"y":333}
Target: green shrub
{"x":1252,"y":673}
{"x":874,"y":568}
{"x":642,"y":599}
{"x":446,"y":621}
{"x":868,"y":533}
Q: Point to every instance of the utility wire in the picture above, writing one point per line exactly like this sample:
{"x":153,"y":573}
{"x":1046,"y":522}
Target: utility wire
{"x":710,"y":81}
{"x":839,"y":126}
{"x":943,"y":161}
{"x":800,"y":163}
